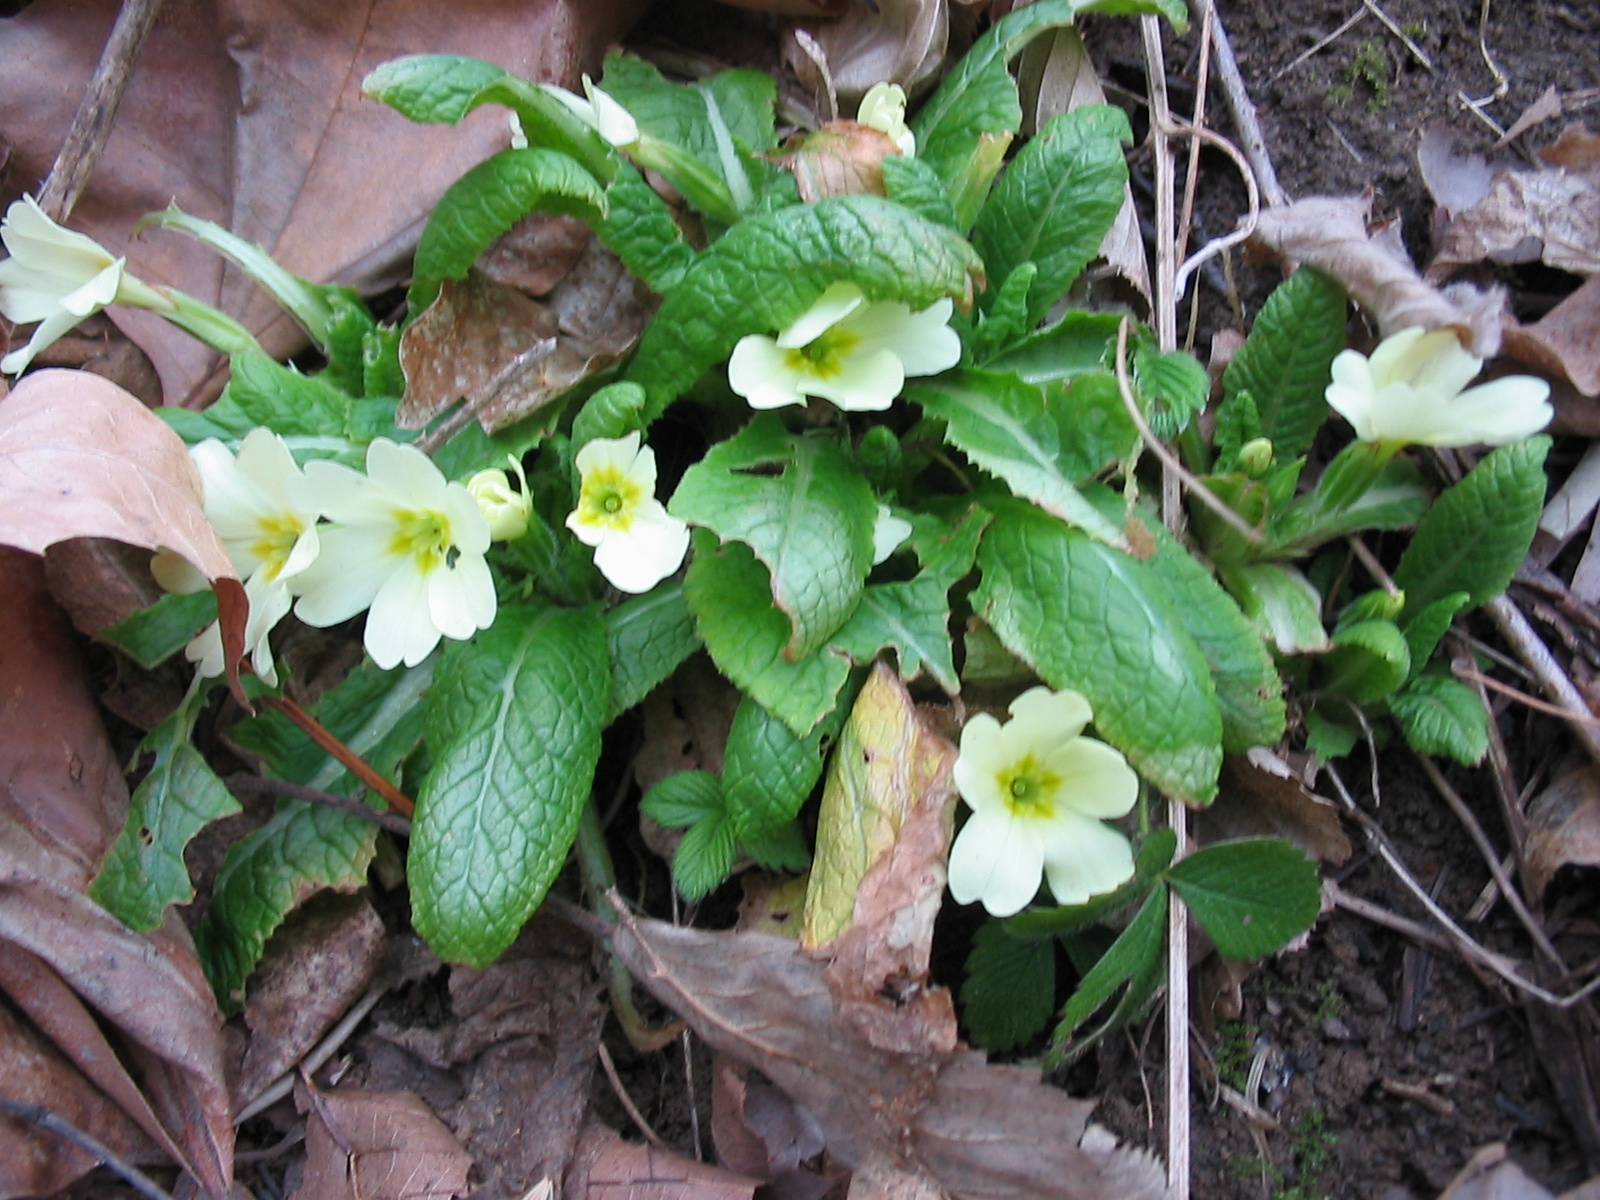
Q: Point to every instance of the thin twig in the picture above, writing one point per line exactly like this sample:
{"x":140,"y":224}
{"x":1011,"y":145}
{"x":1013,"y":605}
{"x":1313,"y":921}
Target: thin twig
{"x":1374,"y":568}
{"x":1379,"y":915}
{"x":1468,"y":675}
{"x":52,"y":1122}
{"x":319,"y":1054}
{"x":97,"y":111}
{"x":473,"y":405}
{"x":1350,"y":23}
{"x":255,"y":785}
{"x":353,"y":762}
{"x":1417,"y":51}
{"x":621,"y":1093}
{"x":1243,"y":111}
{"x":1247,"y":226}
{"x":1536,"y":656}
{"x":1191,"y":179}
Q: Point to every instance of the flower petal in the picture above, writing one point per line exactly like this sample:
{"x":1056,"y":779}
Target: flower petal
{"x":997,"y":859}
{"x":889,"y":532}
{"x":407,"y":474}
{"x":400,"y":624}
{"x":1044,"y":718}
{"x":608,"y":454}
{"x":834,"y":305}
{"x":1443,"y":364}
{"x":340,"y":493}
{"x":97,"y":292}
{"x":650,"y":551}
{"x":867,"y":380}
{"x":354,"y":565}
{"x":922,"y":341}
{"x":461,"y":600}
{"x":1395,"y":357}
{"x":1352,"y":392}
{"x":760,"y":372}
{"x":1096,"y":780}
{"x":46,"y":335}
{"x":469,"y":529}
{"x":1084,"y":858}
{"x":978,"y":765}
{"x":1501,"y":411}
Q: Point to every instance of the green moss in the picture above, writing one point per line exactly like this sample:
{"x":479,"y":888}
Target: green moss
{"x":1369,"y":67}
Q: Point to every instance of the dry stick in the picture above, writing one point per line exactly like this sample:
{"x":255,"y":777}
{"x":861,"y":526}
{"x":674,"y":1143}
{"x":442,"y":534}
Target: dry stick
{"x":97,"y":111}
{"x":1468,"y":675}
{"x":352,"y":762}
{"x":1247,"y":226}
{"x":319,"y":1054}
{"x":1243,"y":112}
{"x":473,"y":405}
{"x":1379,"y":915}
{"x":1191,"y":178}
{"x":253,"y":785}
{"x":52,"y":1122}
{"x":1374,"y":568}
{"x":621,"y":1093}
{"x":1490,"y":856}
{"x":1536,"y":656}
{"x":1350,"y":22}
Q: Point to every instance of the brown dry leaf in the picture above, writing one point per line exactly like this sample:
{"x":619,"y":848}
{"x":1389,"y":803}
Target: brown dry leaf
{"x":1491,"y":1175}
{"x":536,"y":253}
{"x":377,"y":1146}
{"x":980,"y":1132}
{"x":1260,"y":797}
{"x":621,"y":1170}
{"x":1330,"y":232}
{"x":1565,"y":342}
{"x":249,"y":113}
{"x":758,"y":1131}
{"x":315,"y":967}
{"x":1577,"y":149}
{"x":1563,"y":827}
{"x":1547,"y":106}
{"x":491,"y":345}
{"x":80,"y":457}
{"x":842,"y":158}
{"x":873,"y":41}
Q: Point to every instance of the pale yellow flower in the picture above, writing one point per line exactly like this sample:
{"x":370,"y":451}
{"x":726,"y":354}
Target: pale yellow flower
{"x":884,"y":108}
{"x":636,"y":543}
{"x":600,"y":111}
{"x":505,"y":506}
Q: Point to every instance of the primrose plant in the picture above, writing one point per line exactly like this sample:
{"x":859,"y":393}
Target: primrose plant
{"x":864,"y":426}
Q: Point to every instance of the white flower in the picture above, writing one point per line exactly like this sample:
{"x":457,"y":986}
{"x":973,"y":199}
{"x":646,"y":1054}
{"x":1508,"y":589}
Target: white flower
{"x":637,"y":544}
{"x":58,"y":278}
{"x":1039,"y":794}
{"x":270,"y":535}
{"x":1409,"y":393}
{"x":888,"y":532}
{"x":405,"y":543}
{"x":884,"y":108}
{"x":600,"y":112}
{"x":505,"y":507}
{"x":855,"y":353}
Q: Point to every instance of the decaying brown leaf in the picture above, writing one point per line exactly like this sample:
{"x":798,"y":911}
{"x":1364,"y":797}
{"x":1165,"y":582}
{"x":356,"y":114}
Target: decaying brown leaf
{"x":81,"y":458}
{"x":377,"y":1146}
{"x":1563,"y":827}
{"x":613,"y":1169}
{"x":979,"y":1132}
{"x":249,"y":113}
{"x":1565,"y":342}
{"x":894,"y":41}
{"x":1258,"y":797}
{"x":840,"y":159}
{"x":1330,"y":232}
{"x":536,"y":253}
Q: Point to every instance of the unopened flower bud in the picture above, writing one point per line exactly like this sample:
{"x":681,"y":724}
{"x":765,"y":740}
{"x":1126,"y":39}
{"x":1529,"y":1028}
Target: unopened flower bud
{"x":1255,"y":457}
{"x":505,"y":506}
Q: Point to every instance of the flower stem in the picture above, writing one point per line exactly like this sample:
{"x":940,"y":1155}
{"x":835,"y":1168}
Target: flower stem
{"x":212,"y":326}
{"x":353,"y":762}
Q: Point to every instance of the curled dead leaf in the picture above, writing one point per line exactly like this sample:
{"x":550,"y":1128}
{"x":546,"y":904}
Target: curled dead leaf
{"x":1563,"y":827}
{"x":840,"y":159}
{"x":1256,"y":800}
{"x":377,"y":1146}
{"x":1565,"y":342}
{"x":882,"y":41}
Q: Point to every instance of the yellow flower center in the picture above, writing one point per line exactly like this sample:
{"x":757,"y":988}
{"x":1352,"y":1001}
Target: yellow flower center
{"x":276,"y":541}
{"x":1029,"y":788}
{"x":609,"y":498}
{"x":423,"y":534}
{"x":822,"y":357}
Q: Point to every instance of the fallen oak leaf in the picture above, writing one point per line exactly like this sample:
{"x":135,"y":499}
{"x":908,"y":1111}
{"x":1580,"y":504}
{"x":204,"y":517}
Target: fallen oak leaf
{"x":377,"y":1146}
{"x":80,"y":457}
{"x":1565,"y":341}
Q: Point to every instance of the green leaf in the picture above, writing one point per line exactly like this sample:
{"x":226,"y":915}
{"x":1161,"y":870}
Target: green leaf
{"x":1003,"y":425}
{"x":1281,"y":603}
{"x":1327,"y":738}
{"x":1056,"y":202}
{"x":683,"y":799}
{"x":915,"y":184}
{"x":1238,"y":424}
{"x":730,"y":595}
{"x":1079,"y":344}
{"x":1006,"y":320}
{"x":153,"y":635}
{"x":768,"y":270}
{"x":880,"y":457}
{"x":1136,"y":951}
{"x":1395,"y":500}
{"x":490,"y":199}
{"x":263,"y":392}
{"x":947,"y":552}
{"x":612,"y":412}
{"x":1096,"y":430}
{"x":1287,"y":360}
{"x":1010,"y":989}
{"x":966,"y":148}
{"x":380,"y":363}
{"x":305,"y":847}
{"x":686,"y":115}
{"x":144,"y":871}
{"x":646,"y":638}
{"x":1440,"y":715}
{"x":779,"y":849}
{"x":1154,"y":857}
{"x":804,"y":509}
{"x":513,"y":726}
{"x":350,"y":328}
{"x":767,"y":772}
{"x":911,"y":618}
{"x":1089,"y":617}
{"x":1369,"y":660}
{"x":705,"y":857}
{"x":638,"y":228}
{"x":1424,"y":630}
{"x":1249,"y":691}
{"x":1251,"y":896}
{"x":1476,"y":534}
{"x":1173,"y":386}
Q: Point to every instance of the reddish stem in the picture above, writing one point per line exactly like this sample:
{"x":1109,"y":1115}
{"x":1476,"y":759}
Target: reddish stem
{"x":353,"y":762}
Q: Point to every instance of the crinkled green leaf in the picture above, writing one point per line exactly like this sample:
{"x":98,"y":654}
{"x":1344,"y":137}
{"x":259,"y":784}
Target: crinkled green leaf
{"x":1087,"y":616}
{"x":912,"y":182}
{"x":1237,"y":424}
{"x":304,"y":847}
{"x":1006,"y":321}
{"x":647,"y":637}
{"x":1174,"y":387}
{"x":487,"y":201}
{"x":766,"y":271}
{"x":612,"y":412}
{"x":1327,"y":737}
{"x":1424,"y":630}
{"x":1135,"y":951}
{"x":1153,"y":858}
{"x":1056,"y":202}
{"x":1369,"y":660}
{"x":705,"y":857}
{"x":153,"y":635}
{"x":961,"y":148}
{"x":1440,"y":715}
{"x":638,"y":228}
{"x":144,"y":870}
{"x":946,"y":551}
{"x":767,"y":772}
{"x":1079,"y":344}
{"x":350,"y":328}
{"x":880,"y":457}
{"x":513,"y":728}
{"x":782,"y":848}
{"x":380,"y":362}
{"x":1010,"y":989}
{"x":1094,"y":425}
{"x":1477,"y":533}
{"x":684,"y":798}
{"x":263,"y":392}
{"x":730,"y":594}
{"x":1003,"y":425}
{"x":801,"y":505}
{"x":911,"y":618}
{"x":1251,"y":896}
{"x":1286,"y":362}
{"x":1281,"y":603}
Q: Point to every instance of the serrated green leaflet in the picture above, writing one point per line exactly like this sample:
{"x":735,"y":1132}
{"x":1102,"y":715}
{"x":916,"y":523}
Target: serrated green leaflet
{"x":153,"y":635}
{"x":768,"y":270}
{"x":730,"y":595}
{"x":680,"y":800}
{"x":1154,"y":856}
{"x":912,"y":619}
{"x":638,"y":228}
{"x":1424,"y":630}
{"x":1003,"y":425}
{"x":144,"y":870}
{"x":303,"y":848}
{"x":1369,"y":660}
{"x":801,"y":505}
{"x":915,"y":184}
{"x":1055,"y":202}
{"x":1287,"y":360}
{"x":612,"y":412}
{"x":1173,"y":387}
{"x":513,"y":727}
{"x":647,"y":637}
{"x":704,"y":857}
{"x":767,"y":772}
{"x":1251,"y":896}
{"x":486,"y":202}
{"x":1089,"y":617}
{"x":1476,"y":534}
{"x":351,"y":330}
{"x":1440,"y":715}
{"x":946,"y":551}
{"x":1006,"y":320}
{"x":1078,"y":344}
{"x":1132,"y":955}
{"x":1010,"y":989}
